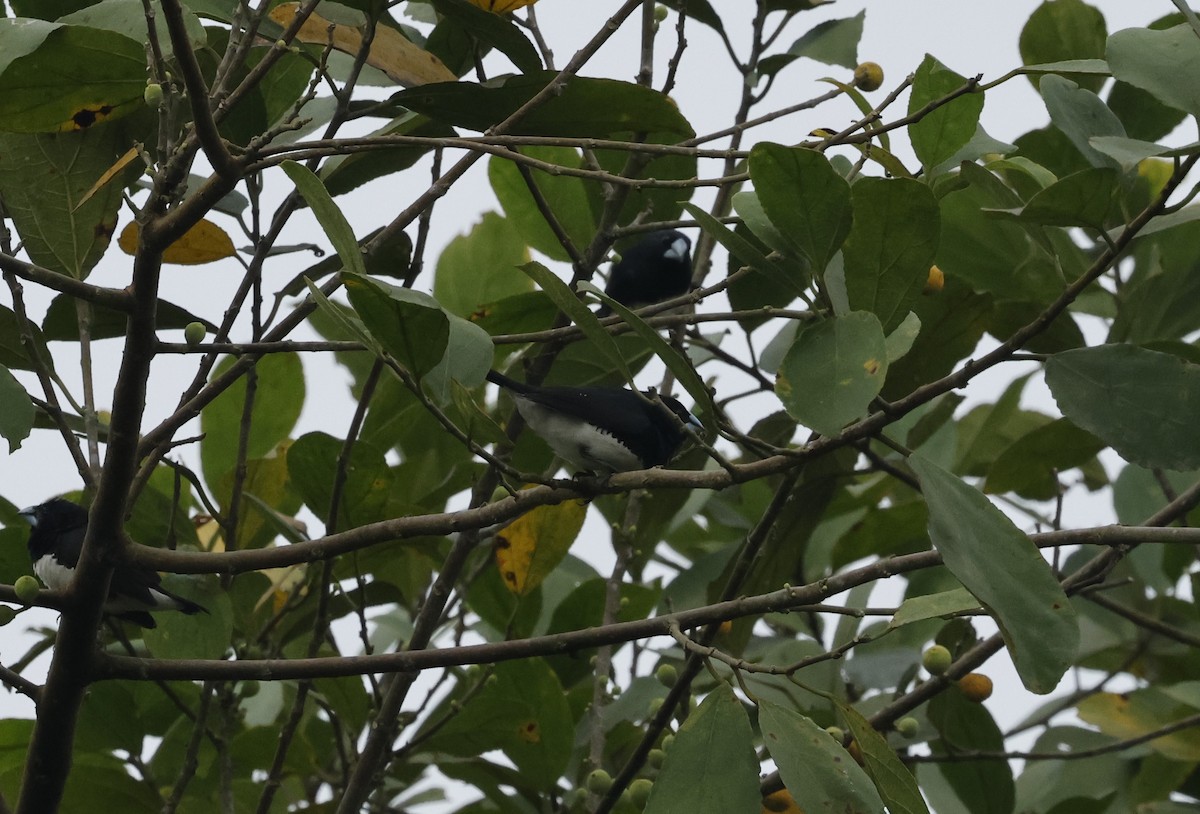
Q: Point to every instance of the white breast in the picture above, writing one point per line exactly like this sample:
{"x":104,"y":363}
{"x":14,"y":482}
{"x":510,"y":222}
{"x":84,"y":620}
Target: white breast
{"x":54,"y":576}
{"x":577,"y":442}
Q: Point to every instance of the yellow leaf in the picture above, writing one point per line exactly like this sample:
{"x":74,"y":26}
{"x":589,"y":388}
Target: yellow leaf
{"x":203,"y":243}
{"x":501,"y":6}
{"x":108,"y":175}
{"x":403,"y":62}
{"x":1142,"y":712}
{"x":530,"y":547}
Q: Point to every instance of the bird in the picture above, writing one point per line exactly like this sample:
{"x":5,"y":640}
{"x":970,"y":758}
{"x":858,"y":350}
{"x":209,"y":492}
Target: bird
{"x":55,"y":543}
{"x":601,"y":430}
{"x":654,"y":269}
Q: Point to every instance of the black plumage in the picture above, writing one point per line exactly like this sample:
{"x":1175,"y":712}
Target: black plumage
{"x":654,"y":269}
{"x":55,"y":543}
{"x":601,"y":429}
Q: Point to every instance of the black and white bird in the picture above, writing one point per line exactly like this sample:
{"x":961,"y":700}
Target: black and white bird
{"x":55,"y":543}
{"x":601,"y":429}
{"x":654,"y":269}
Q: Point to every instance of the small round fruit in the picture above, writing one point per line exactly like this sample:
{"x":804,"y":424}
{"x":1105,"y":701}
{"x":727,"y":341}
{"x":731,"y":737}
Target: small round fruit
{"x":935,"y":282}
{"x":868,"y":76}
{"x":937,"y":659}
{"x":667,"y":675}
{"x":250,"y":688}
{"x":599,"y":781}
{"x":856,"y":752}
{"x":976,"y":687}
{"x":725,"y":628}
{"x":779,"y":801}
{"x":153,"y":94}
{"x":908,"y":727}
{"x":836,"y":733}
{"x":639,"y":791}
{"x":575,"y":798}
{"x":26,"y":588}
{"x":194,"y":333}
{"x":660,"y":13}
{"x":668,"y":742}
{"x":654,"y":757}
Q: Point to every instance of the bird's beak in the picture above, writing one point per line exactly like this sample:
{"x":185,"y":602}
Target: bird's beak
{"x":678,"y":250}
{"x":30,"y":515}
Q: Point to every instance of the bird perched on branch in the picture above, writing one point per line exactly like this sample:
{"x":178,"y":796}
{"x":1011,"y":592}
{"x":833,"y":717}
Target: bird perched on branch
{"x":602,"y":429}
{"x":55,"y":543}
{"x":656,"y":268}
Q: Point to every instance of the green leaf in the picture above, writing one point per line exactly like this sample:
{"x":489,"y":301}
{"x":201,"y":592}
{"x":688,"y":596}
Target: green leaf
{"x":890,"y":247}
{"x":834,"y":42}
{"x":573,"y":203}
{"x":312,"y":469}
{"x":805,"y":198}
{"x":495,"y":30}
{"x":584,"y":108}
{"x":711,"y":768}
{"x":200,"y":636}
{"x":468,"y":357}
{"x":944,"y":131}
{"x":952,"y":322}
{"x":43,"y":180}
{"x":410,"y":325}
{"x":1063,"y":30}
{"x":1156,"y":60}
{"x":522,"y":710}
{"x":345,"y":173}
{"x":675,"y":361}
{"x":1161,"y":302}
{"x":1139,"y":402}
{"x":1086,"y":198}
{"x":581,"y":315}
{"x":933,"y":606}
{"x":128,"y":17}
{"x":699,"y":10}
{"x":12,"y":350}
{"x":983,"y":786}
{"x":1031,"y":465}
{"x":832,"y":372}
{"x":988,"y":253}
{"x":62,"y":320}
{"x":16,"y":411}
{"x":815,"y":768}
{"x":895,"y":782}
{"x":56,"y":77}
{"x":746,"y":251}
{"x":1005,"y":572}
{"x":900,"y":341}
{"x":101,"y":783}
{"x":481,"y":267}
{"x":279,"y":397}
{"x":1144,"y":116}
{"x":336,"y":227}
{"x":1080,"y":115}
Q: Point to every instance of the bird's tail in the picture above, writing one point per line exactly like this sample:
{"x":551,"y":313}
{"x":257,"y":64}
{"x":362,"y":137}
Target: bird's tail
{"x":500,"y":380}
{"x":183,"y":605}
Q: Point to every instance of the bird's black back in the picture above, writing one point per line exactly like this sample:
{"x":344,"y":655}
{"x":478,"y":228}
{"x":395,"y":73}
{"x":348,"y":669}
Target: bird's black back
{"x":644,"y":275}
{"x":643,"y":426}
{"x":59,"y":530}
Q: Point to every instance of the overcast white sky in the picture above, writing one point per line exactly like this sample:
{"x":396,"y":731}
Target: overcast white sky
{"x":970,"y":37}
